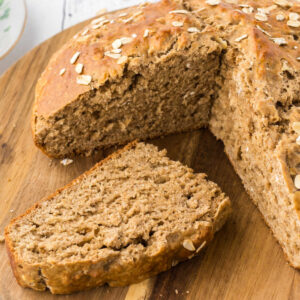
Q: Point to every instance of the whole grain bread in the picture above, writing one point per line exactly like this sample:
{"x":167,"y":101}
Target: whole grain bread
{"x":133,"y":215}
{"x":244,"y":62}
{"x":256,"y":110}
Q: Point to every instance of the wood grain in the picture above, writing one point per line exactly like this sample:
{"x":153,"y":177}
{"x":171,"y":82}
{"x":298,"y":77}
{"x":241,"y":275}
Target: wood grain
{"x":243,"y":262}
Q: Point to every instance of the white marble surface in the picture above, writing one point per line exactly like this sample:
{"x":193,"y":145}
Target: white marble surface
{"x":46,"y":18}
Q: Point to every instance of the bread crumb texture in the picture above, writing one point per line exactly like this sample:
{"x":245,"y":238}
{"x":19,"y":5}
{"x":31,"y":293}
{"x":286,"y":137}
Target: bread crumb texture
{"x":128,"y":218}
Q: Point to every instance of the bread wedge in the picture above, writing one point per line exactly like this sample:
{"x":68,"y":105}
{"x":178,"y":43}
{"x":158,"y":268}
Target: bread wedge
{"x":133,"y":215}
{"x":147,"y":72}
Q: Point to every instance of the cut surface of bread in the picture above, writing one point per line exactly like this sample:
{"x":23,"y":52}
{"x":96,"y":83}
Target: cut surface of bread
{"x":256,"y":110}
{"x":133,"y":215}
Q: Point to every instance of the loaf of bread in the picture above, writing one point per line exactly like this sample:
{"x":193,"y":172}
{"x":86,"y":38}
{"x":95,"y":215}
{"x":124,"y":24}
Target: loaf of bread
{"x":256,"y":111}
{"x":133,"y":215}
{"x":230,"y":64}
{"x":133,"y":74}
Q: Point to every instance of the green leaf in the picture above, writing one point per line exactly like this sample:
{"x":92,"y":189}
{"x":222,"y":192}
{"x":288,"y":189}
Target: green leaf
{"x":7,"y":28}
{"x":5,"y":14}
{"x":1,"y":2}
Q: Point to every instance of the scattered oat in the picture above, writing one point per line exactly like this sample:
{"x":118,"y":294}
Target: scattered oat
{"x":66,"y":161}
{"x":270,"y":8}
{"x":201,"y":247}
{"x":193,"y":29}
{"x":112,"y":21}
{"x":212,"y":2}
{"x":247,"y":10}
{"x":262,"y":10}
{"x":138,"y":13}
{"x":200,"y":9}
{"x":84,"y":79}
{"x":79,"y":68}
{"x":116,"y":50}
{"x":134,"y":35}
{"x":298,"y":140}
{"x":85,"y":32}
{"x":62,"y":71}
{"x":282,"y":3}
{"x":112,"y":55}
{"x":298,"y":58}
{"x":98,"y":25}
{"x":104,"y":22}
{"x":116,"y":44}
{"x":244,"y":36}
{"x":176,"y":291}
{"x":125,"y":21}
{"x":261,"y":17}
{"x":280,"y":17}
{"x":177,"y":24}
{"x":11,"y":210}
{"x":178,"y":11}
{"x":292,"y":23}
{"x":74,"y":57}
{"x":293,"y":16}
{"x":98,"y":20}
{"x":266,"y":10}
{"x":146,"y":33}
{"x":123,"y":15}
{"x":244,"y":5}
{"x":297,"y":181}
{"x":279,"y":41}
{"x":188,"y":244}
{"x":123,"y":59}
{"x":187,"y":292}
{"x":2,"y":238}
{"x":174,"y":263}
{"x":126,"y":40}
{"x":238,"y":10}
{"x":296,"y":127}
{"x":262,"y":30}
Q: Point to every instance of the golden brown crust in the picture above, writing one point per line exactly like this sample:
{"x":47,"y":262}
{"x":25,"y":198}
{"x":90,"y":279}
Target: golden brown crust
{"x":65,"y":279}
{"x":258,"y":20}
{"x":54,"y":91}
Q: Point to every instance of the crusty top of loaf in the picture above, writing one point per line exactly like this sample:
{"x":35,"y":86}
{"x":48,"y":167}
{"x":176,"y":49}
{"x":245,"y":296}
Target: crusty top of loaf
{"x":144,"y":31}
{"x":267,"y":31}
{"x":271,"y":26}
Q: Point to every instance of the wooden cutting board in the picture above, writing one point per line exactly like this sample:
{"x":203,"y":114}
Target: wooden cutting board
{"x":243,"y":262}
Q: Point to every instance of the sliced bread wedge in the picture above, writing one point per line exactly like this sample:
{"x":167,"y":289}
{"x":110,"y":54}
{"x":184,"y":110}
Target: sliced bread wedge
{"x":133,"y":215}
